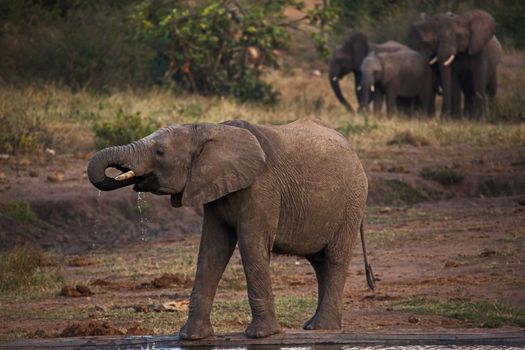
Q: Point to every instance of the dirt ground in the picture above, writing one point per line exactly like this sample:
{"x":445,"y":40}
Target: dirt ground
{"x":464,"y":241}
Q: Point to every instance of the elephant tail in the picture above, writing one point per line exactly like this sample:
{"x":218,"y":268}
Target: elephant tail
{"x":370,"y":280}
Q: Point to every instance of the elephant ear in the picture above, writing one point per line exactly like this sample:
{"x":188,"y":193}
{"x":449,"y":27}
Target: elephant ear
{"x":387,"y":66}
{"x":228,"y":159}
{"x":482,"y":27}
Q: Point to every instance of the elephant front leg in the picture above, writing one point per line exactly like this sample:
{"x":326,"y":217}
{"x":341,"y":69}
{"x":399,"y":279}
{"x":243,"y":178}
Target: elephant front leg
{"x":216,"y":248}
{"x":255,"y":253}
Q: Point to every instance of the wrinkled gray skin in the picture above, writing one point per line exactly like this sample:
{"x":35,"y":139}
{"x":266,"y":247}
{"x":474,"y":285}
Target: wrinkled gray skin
{"x":402,"y":73}
{"x":296,"y":189}
{"x":348,"y":57}
{"x":477,"y":52}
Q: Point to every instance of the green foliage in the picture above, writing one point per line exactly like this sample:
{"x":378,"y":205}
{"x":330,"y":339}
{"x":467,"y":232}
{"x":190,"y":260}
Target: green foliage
{"x":348,"y":128}
{"x":26,"y":267}
{"x":218,"y":47}
{"x":481,"y":313}
{"x":81,"y":44}
{"x":19,"y":211}
{"x":444,"y":176}
{"x":510,"y":15}
{"x":489,"y":188}
{"x":21,"y":133}
{"x":124,"y":129}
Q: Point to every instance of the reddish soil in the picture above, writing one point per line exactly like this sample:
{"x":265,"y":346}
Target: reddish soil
{"x":453,"y":242}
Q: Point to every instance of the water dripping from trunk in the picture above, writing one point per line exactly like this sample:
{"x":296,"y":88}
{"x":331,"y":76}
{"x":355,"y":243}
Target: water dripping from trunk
{"x":141,"y":205}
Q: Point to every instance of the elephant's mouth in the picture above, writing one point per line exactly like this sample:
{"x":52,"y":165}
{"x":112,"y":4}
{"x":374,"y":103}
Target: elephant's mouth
{"x":147,"y":183}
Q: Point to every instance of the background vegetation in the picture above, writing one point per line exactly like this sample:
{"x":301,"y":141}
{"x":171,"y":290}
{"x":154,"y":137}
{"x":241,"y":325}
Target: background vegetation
{"x":76,"y":75}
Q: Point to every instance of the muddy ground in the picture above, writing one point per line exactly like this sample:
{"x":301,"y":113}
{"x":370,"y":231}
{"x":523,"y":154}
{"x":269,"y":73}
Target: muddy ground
{"x":452,"y":242}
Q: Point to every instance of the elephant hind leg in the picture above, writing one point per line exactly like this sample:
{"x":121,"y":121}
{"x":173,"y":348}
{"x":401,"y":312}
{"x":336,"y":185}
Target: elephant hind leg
{"x":331,"y":267}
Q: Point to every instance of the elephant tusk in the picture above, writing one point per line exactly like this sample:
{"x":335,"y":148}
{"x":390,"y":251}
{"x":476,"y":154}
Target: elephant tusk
{"x":432,"y":61}
{"x":372,"y":88}
{"x":359,"y":87}
{"x":125,"y":176}
{"x":449,"y":60}
{"x":334,"y":79}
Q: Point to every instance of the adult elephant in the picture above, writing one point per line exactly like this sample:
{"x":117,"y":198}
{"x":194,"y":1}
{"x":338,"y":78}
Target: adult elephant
{"x":399,"y":74}
{"x":296,"y":189}
{"x":348,"y":57}
{"x":467,"y":52}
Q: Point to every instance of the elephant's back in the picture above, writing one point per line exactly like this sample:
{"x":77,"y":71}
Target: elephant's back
{"x":319,"y":154}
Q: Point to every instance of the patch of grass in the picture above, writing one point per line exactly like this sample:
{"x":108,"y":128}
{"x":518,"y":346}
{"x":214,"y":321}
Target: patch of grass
{"x":26,"y":267}
{"x":481,"y":313}
{"x":408,"y":138}
{"x":292,"y":312}
{"x":21,"y":212}
{"x":394,"y":192}
{"x":490,"y":188}
{"x":444,"y":176}
{"x":348,"y":129}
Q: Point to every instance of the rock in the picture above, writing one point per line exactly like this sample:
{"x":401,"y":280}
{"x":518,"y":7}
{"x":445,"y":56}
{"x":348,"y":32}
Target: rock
{"x":413,"y":319}
{"x":40,"y":333}
{"x":138,"y":330}
{"x":50,"y":151}
{"x":100,"y":307}
{"x":55,"y":177}
{"x":173,"y":306}
{"x":316,"y":73}
{"x":4,"y":156}
{"x":79,"y":261}
{"x":450,"y":264}
{"x":74,"y":292}
{"x":84,"y":290}
{"x":169,"y":279}
{"x":93,"y":328}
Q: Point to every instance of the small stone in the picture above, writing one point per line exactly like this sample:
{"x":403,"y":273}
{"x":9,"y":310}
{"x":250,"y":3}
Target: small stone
{"x":413,"y":319}
{"x":316,"y":73}
{"x":100,"y":307}
{"x":56,"y":177}
{"x":450,"y":264}
{"x":50,"y":151}
{"x":4,"y":156}
{"x":83,"y":290}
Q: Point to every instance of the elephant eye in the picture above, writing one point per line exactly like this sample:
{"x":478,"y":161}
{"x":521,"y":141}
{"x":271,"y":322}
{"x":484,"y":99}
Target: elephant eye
{"x":160,"y":151}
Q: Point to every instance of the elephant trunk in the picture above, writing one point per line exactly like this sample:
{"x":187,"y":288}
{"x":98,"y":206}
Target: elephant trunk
{"x":116,"y":157}
{"x":334,"y":83}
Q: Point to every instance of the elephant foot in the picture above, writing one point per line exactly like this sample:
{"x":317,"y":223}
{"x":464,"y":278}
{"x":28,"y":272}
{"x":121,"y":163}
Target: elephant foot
{"x":194,"y":330}
{"x":262,"y":328}
{"x":318,"y":322}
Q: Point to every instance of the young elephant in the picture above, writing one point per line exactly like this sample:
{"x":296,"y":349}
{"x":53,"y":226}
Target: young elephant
{"x":399,"y":74}
{"x":296,"y":189}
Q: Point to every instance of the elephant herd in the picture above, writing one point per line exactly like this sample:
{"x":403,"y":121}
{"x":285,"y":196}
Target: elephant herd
{"x":449,"y":54}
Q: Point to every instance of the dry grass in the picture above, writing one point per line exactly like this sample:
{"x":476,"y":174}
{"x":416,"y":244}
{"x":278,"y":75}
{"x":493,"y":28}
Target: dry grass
{"x":56,"y":117}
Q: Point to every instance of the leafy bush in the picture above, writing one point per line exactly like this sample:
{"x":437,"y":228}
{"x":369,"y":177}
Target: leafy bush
{"x":221,"y":47}
{"x":124,"y":129}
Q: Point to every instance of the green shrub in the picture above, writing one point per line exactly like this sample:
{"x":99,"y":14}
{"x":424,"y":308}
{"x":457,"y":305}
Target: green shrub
{"x":27,"y":267}
{"x":124,"y":129}
{"x":22,"y":134}
{"x":444,"y":176}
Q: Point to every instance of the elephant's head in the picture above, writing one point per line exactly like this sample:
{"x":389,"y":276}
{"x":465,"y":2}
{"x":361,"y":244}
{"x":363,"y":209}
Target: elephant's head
{"x":467,"y":33}
{"x":372,"y":72}
{"x":196,"y":163}
{"x":423,"y":35}
{"x":347,"y":58}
